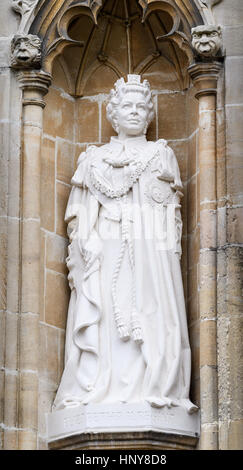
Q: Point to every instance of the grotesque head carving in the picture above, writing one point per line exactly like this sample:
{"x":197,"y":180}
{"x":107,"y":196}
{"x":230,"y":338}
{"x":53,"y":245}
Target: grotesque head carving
{"x":206,"y":40}
{"x":130,"y":105}
{"x":26,"y":51}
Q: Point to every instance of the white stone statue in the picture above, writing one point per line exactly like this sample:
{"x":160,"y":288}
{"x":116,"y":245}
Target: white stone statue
{"x":127,"y":338}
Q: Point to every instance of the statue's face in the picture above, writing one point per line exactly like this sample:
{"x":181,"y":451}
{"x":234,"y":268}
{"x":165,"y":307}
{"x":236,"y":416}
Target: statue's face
{"x":131,"y":114}
{"x":26,"y":50}
{"x":206,"y":41}
{"x":22,"y":50}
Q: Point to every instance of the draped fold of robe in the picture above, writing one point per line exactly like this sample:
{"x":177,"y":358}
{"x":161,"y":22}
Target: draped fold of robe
{"x":99,"y":366}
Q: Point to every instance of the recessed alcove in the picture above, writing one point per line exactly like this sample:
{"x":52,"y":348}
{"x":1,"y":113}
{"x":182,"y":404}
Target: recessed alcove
{"x":79,"y":49}
{"x":74,"y":117}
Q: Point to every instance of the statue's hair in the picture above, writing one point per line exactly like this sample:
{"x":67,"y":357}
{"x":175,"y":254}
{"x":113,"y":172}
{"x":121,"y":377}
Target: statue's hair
{"x":29,"y":38}
{"x":120,"y":89}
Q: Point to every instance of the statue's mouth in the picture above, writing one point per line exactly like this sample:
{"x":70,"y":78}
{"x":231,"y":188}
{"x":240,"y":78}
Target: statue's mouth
{"x":24,"y":58}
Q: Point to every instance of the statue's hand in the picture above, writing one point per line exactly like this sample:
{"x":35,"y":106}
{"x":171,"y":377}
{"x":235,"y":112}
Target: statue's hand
{"x":71,"y":228}
{"x":92,"y":251}
{"x":90,"y":258}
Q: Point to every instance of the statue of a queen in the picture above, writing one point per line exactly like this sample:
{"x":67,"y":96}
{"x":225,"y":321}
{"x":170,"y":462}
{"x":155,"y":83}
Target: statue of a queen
{"x":126,"y":338}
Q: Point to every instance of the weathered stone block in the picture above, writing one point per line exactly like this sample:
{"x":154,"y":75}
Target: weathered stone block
{"x":27,"y":440}
{"x":48,"y":184}
{"x":235,"y":435}
{"x":13,"y":265}
{"x":29,"y":341}
{"x":30,"y":266}
{"x":10,"y":400}
{"x":11,"y":341}
{"x":28,"y":395}
{"x":62,"y":195}
{"x":234,"y":123}
{"x":56,"y":253}
{"x":227,"y":15}
{"x":58,"y":115}
{"x":170,"y":124}
{"x":233,"y":39}
{"x":181,"y":152}
{"x":4,"y":131}
{"x":235,"y":225}
{"x":192,"y":156}
{"x":192,"y":105}
{"x":49,"y":356}
{"x":10,"y":439}
{"x":235,"y":181}
{"x":208,"y":232}
{"x":192,"y":286}
{"x":233,"y":74}
{"x":192,"y":204}
{"x":65,"y":161}
{"x":209,"y":402}
{"x":42,"y":273}
{"x":57,"y":298}
{"x":236,"y":367}
{"x":87,"y":121}
{"x":208,"y":355}
{"x":193,"y":247}
{"x":3,"y":263}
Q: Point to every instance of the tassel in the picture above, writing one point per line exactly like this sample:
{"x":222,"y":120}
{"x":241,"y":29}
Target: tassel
{"x":121,"y":327}
{"x":136,"y":328}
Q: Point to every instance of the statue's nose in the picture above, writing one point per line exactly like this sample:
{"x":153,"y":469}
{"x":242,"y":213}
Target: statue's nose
{"x":204,"y":38}
{"x":134,"y":109}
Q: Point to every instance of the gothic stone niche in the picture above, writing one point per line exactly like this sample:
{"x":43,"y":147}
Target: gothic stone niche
{"x":75,"y":118}
{"x":127,"y":361}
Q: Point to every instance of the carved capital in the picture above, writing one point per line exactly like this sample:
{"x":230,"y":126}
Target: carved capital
{"x":35,"y":85}
{"x":25,"y":51}
{"x":206,"y":40}
{"x":205,"y":77}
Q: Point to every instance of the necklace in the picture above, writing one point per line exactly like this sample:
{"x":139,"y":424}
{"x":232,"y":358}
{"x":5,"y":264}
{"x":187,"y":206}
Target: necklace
{"x":108,"y":190}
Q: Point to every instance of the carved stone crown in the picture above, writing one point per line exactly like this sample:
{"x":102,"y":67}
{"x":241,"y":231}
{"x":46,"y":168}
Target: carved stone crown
{"x":132,"y":80}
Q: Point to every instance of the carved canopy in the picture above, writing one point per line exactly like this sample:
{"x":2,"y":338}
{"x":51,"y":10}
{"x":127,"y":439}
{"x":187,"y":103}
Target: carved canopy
{"x":149,"y":30}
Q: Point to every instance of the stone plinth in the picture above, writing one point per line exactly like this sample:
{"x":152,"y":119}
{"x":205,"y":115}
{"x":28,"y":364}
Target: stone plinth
{"x":123,"y":426}
{"x":148,"y":440}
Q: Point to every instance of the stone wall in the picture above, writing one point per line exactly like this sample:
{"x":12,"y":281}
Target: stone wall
{"x":70,"y":124}
{"x":230,"y":253}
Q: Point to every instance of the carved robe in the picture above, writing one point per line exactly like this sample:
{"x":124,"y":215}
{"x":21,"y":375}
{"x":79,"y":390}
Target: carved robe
{"x":127,"y":338}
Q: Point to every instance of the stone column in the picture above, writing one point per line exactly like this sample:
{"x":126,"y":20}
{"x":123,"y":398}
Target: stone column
{"x":35,"y":85}
{"x":21,"y":384}
{"x":21,"y":393}
{"x":204,"y":76}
